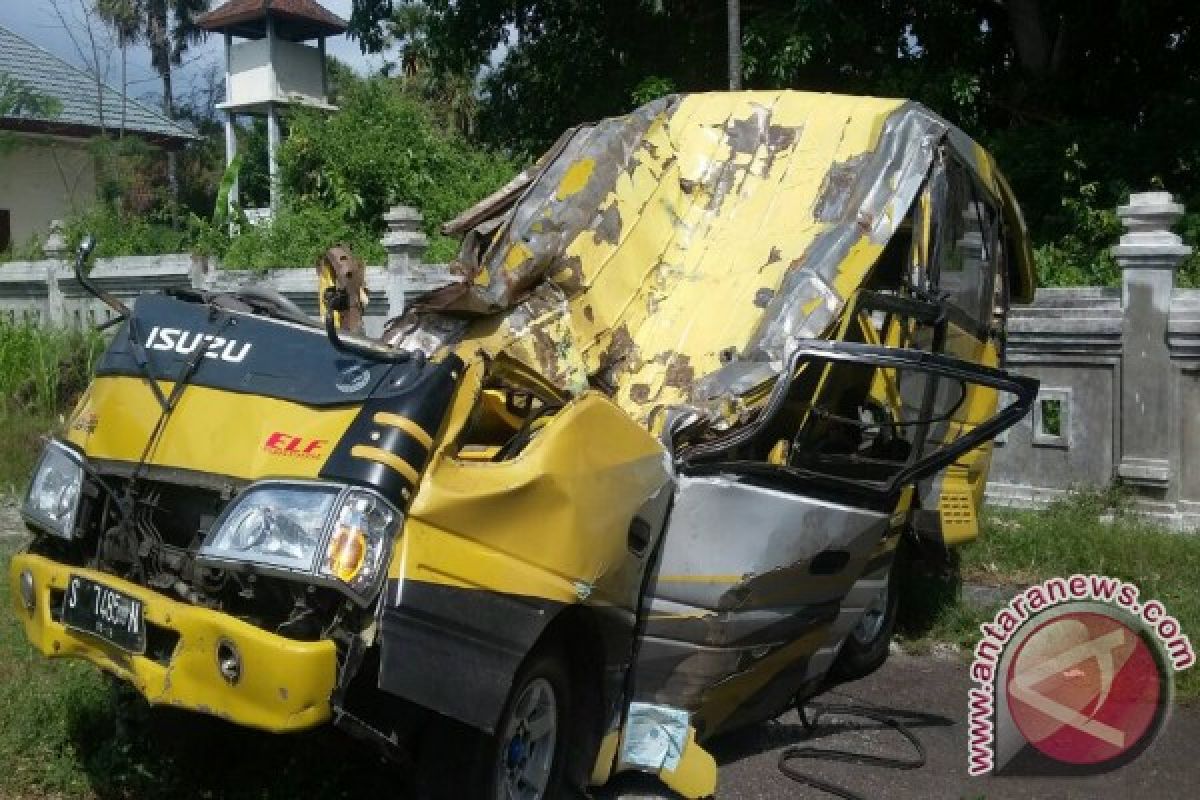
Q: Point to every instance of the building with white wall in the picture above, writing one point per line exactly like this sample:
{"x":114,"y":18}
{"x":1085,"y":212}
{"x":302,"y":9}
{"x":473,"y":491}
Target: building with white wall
{"x":47,"y":170}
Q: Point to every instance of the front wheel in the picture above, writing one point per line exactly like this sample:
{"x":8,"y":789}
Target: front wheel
{"x":527,"y":760}
{"x":523,"y":760}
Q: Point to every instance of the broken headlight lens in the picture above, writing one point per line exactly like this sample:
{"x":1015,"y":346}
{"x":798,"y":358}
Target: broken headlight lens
{"x":332,"y":533}
{"x":53,"y":497}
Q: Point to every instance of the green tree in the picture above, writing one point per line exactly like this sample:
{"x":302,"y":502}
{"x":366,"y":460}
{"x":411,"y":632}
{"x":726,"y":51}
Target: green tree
{"x":167,"y":27}
{"x":1081,"y":102}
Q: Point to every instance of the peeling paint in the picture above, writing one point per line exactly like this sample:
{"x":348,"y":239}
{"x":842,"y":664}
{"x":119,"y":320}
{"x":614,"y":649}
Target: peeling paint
{"x":698,"y":225}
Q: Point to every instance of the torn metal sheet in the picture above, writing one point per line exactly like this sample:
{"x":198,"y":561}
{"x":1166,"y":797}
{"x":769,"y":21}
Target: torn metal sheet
{"x":646,"y":251}
{"x":747,"y":575}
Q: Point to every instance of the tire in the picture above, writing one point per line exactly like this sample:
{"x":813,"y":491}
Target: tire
{"x":527,"y":751}
{"x":866,"y":646}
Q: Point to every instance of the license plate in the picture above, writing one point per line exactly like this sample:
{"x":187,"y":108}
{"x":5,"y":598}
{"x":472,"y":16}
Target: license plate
{"x":95,"y":609}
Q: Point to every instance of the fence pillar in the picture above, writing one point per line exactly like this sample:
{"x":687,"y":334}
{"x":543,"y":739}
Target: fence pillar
{"x":56,"y":248}
{"x":405,"y":242}
{"x":1148,"y":255}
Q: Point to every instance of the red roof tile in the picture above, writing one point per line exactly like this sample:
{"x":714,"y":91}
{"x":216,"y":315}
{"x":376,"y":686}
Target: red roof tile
{"x":299,"y":18}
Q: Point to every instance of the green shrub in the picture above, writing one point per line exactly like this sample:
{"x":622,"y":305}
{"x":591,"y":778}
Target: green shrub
{"x":42,"y":372}
{"x":383,"y":148}
{"x":297,"y":236}
{"x":121,"y":233}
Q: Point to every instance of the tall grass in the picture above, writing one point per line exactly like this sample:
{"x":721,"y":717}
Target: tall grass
{"x":42,"y":372}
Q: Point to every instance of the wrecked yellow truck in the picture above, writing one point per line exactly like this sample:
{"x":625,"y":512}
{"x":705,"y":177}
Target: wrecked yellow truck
{"x":638,"y":476}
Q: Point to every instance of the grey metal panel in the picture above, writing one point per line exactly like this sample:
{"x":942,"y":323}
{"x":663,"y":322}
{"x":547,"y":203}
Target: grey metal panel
{"x":734,"y":592}
{"x":755,"y":545}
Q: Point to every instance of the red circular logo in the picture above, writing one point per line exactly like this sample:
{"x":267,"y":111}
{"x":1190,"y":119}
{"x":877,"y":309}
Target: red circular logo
{"x":1085,"y":688}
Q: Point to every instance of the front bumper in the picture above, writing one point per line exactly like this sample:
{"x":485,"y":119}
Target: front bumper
{"x":285,"y":685}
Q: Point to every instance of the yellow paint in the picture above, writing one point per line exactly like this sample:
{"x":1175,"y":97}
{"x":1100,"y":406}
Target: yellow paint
{"x":537,"y":524}
{"x":575,"y":178}
{"x":704,"y":230}
{"x":518,"y":254}
{"x":389,"y":460}
{"x":605,"y":758}
{"x":695,"y":776}
{"x":223,"y":433}
{"x":722,"y":700}
{"x":405,"y":424}
{"x":690,"y":249}
{"x":285,"y":684}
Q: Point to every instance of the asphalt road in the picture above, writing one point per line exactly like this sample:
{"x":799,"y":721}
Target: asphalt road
{"x":938,"y":687}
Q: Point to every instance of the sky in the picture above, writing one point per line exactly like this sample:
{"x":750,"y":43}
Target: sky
{"x":36,"y":21}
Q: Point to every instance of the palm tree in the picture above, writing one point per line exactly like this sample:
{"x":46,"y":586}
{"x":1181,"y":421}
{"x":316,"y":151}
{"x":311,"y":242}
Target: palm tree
{"x":168,"y":27}
{"x":122,"y":17}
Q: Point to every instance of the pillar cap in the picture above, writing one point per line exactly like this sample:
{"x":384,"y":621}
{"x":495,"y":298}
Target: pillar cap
{"x":1148,"y":242}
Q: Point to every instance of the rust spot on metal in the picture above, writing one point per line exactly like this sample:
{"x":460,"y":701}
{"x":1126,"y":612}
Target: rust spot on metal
{"x":780,"y":137}
{"x":763,"y":297}
{"x":545,"y":349}
{"x":608,"y":225}
{"x":588,"y":314}
{"x":834,"y":196}
{"x":569,"y":275}
{"x":619,"y":353}
{"x":680,"y":373}
{"x":639,"y":393}
{"x":745,"y":135}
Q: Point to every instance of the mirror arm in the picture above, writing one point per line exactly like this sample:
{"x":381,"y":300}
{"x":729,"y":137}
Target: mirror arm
{"x":81,"y":257}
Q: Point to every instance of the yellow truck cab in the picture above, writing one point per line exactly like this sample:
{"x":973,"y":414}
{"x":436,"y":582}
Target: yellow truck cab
{"x":637,"y":477}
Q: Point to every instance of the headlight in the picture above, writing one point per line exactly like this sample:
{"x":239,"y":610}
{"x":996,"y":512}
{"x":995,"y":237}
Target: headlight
{"x":362,"y":528}
{"x":333,"y":534}
{"x":53,"y":496}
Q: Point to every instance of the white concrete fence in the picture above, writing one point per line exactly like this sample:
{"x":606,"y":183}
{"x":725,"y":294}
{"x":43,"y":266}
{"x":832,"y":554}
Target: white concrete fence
{"x":45,"y":292}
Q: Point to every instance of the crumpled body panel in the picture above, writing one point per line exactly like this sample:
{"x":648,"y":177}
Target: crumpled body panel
{"x":645,"y":251}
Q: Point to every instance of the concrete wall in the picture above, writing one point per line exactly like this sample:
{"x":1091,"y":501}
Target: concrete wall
{"x":43,"y":178}
{"x":45,"y":292}
{"x":1122,"y":368}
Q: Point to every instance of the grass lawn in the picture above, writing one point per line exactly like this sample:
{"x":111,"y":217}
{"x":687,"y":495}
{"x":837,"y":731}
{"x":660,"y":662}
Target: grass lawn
{"x":1088,"y":533}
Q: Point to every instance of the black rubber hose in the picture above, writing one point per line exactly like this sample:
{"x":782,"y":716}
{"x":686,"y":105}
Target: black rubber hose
{"x":896,"y":719}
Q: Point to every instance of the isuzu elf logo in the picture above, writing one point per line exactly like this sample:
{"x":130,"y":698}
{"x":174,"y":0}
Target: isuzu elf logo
{"x":186,"y":342}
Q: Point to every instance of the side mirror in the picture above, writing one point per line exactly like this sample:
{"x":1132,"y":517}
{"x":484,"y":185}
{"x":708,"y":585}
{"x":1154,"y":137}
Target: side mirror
{"x":85,"y":248}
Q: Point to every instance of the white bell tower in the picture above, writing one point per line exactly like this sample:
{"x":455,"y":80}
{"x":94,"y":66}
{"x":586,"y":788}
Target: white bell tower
{"x":269,"y":65}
